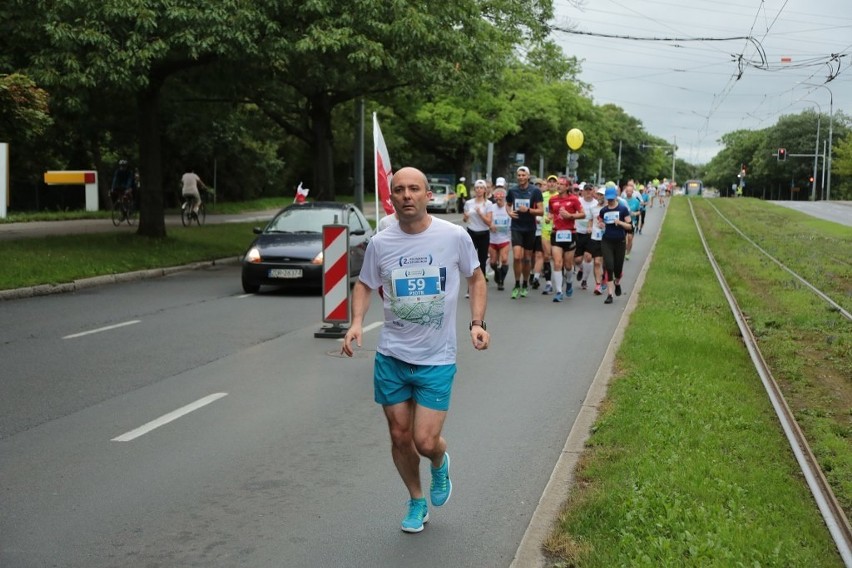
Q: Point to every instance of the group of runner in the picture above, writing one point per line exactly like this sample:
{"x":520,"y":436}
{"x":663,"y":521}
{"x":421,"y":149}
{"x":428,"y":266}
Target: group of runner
{"x":559,"y":231}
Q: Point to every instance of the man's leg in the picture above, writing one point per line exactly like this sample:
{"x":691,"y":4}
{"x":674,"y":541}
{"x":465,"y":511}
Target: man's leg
{"x":401,"y":419}
{"x":568,"y":263}
{"x":428,"y":424}
{"x":526,"y":269}
{"x":517,"y":262}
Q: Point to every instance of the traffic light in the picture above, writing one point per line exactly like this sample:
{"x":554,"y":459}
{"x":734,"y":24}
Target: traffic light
{"x":782,"y":154}
{"x":811,"y":179}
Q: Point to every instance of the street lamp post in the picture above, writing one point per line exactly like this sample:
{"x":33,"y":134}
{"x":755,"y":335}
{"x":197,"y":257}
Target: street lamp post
{"x":830,"y":133}
{"x":816,"y":151}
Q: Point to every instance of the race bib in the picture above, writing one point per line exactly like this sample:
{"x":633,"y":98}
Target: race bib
{"x":597,"y":233}
{"x":502,"y":224}
{"x":610,"y":217}
{"x":563,"y":236}
{"x":522,"y":203}
{"x":417,"y":284}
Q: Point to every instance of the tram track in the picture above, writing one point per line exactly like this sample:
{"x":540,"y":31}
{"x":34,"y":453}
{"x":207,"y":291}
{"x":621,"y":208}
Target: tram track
{"x":813,"y":288}
{"x":829,"y":507}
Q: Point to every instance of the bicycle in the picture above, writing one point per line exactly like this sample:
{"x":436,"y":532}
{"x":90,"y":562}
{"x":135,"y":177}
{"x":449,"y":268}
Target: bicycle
{"x":123,"y":210}
{"x":186,"y":214}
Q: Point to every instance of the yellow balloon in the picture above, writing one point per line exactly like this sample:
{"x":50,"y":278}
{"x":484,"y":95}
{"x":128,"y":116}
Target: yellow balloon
{"x":575,"y":138}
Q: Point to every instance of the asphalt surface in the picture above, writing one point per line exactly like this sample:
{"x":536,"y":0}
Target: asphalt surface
{"x":290,"y":466}
{"x":834,"y":211}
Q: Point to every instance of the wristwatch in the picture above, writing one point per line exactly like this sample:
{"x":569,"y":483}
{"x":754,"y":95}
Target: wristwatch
{"x":480,"y":323}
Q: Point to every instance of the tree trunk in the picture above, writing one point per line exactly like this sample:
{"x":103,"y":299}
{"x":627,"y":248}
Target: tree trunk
{"x":323,"y":144}
{"x":152,"y":221}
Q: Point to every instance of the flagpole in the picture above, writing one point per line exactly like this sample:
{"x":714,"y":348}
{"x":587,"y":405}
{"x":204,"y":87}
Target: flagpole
{"x":375,"y":168}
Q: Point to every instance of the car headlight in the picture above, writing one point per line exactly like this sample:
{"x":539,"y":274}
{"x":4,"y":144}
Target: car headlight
{"x":317,"y":259}
{"x":253,"y":255}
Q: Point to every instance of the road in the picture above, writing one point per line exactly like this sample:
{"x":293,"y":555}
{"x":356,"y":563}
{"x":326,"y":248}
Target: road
{"x":834,"y":211}
{"x":290,"y":465}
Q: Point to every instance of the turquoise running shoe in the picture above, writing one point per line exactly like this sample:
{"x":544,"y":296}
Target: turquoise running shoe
{"x":442,"y":487}
{"x":418,"y":515}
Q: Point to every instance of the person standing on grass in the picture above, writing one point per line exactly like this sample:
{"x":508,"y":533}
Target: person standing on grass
{"x":614,"y":219}
{"x":523,"y":204}
{"x":419,"y":263}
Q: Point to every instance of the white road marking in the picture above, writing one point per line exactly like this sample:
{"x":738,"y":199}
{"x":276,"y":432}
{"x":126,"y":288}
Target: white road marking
{"x":245,"y":296}
{"x":100,"y":329}
{"x":166,"y":418}
{"x":369,"y":327}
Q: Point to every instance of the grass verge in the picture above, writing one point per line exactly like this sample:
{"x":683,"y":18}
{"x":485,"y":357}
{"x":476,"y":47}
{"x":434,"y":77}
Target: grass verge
{"x":806,"y":343}
{"x":220,"y":208}
{"x":55,"y":260}
{"x":687,"y":465}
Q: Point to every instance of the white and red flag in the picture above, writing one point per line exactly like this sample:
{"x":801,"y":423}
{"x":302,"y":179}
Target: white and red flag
{"x":301,"y":193}
{"x":383,"y":170}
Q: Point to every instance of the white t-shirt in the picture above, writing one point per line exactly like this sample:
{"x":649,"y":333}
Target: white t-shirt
{"x":584,"y":223}
{"x":420,"y":275}
{"x":190,"y":183}
{"x":474,"y":221}
{"x":502,"y":223}
{"x":387,"y":221}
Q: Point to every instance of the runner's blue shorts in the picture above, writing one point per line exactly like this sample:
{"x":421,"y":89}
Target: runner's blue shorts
{"x":396,"y":381}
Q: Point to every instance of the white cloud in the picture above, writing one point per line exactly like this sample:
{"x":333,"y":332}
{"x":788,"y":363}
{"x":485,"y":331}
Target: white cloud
{"x":687,"y":91}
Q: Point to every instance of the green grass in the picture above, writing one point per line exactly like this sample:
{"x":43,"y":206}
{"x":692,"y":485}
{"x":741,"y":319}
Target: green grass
{"x":55,"y":260}
{"x":687,"y":465}
{"x":220,"y":208}
{"x":806,"y":343}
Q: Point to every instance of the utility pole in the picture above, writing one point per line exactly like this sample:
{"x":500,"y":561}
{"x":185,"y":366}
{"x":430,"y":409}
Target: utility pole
{"x":830,"y":133}
{"x":618,"y":167}
{"x":674,"y":150}
{"x":359,"y":155}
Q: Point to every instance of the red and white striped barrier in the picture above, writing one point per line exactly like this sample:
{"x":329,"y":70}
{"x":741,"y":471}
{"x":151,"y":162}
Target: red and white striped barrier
{"x":335,"y":279}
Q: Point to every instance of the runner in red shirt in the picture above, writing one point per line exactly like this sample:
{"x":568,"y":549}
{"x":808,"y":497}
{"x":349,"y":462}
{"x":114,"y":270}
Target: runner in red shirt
{"x":564,"y":209}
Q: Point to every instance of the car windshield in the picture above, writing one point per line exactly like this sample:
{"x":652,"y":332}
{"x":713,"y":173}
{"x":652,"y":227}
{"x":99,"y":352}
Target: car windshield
{"x":307,"y":220}
{"x":440,"y":189}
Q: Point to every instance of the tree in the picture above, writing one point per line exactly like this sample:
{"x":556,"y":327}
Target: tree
{"x":130,"y":50}
{"x":24,"y":112}
{"x":332,"y":52}
{"x":741,"y":147}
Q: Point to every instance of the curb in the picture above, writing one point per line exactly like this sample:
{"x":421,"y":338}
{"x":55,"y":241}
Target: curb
{"x":94,"y":281}
{"x":556,"y":492}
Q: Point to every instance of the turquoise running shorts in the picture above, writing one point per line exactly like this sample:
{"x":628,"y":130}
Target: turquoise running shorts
{"x":396,"y":381}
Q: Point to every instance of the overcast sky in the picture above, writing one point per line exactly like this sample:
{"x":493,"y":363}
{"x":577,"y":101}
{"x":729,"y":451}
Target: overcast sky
{"x":687,"y":90}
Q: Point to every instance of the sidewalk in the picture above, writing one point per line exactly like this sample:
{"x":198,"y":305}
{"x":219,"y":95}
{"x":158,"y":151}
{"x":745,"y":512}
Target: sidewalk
{"x":35,"y":229}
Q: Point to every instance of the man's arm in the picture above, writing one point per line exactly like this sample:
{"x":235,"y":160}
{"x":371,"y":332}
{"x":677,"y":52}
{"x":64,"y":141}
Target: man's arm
{"x":537,"y":202}
{"x":360,"y":304}
{"x":478,"y":299}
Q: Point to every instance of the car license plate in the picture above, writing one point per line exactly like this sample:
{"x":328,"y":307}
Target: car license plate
{"x":285,"y":272}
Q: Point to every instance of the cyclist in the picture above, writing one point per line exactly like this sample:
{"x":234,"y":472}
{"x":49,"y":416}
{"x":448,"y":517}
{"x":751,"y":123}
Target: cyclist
{"x":123,"y":182}
{"x":191,"y":181}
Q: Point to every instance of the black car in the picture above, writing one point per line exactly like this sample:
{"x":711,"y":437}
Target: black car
{"x":288,"y":251}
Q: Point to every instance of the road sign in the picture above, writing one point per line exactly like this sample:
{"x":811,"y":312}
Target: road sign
{"x":573,"y":160}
